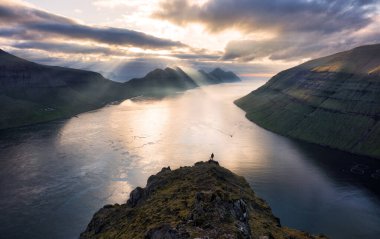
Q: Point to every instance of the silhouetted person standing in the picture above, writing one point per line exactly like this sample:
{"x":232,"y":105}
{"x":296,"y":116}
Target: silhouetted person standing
{"x":212,"y":157}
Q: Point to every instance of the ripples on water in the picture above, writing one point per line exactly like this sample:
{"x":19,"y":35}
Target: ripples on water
{"x":54,"y":176}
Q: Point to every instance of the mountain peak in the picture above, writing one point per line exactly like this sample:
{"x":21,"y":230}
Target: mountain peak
{"x":169,"y":69}
{"x":362,"y":59}
{"x":224,"y":76}
{"x":7,"y":59}
{"x":218,"y":70}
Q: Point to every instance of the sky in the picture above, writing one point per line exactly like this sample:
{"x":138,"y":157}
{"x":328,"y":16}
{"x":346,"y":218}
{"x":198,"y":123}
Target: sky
{"x":123,"y":39}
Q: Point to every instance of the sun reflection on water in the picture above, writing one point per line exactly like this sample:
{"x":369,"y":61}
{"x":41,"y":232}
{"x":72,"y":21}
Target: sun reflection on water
{"x":98,"y":157}
{"x":178,"y":131}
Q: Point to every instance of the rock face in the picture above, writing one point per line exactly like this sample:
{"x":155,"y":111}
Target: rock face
{"x":332,"y":101}
{"x":203,"y":201}
{"x":32,"y":93}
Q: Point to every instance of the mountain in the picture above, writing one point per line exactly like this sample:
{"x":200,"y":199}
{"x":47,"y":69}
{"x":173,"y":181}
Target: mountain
{"x":332,"y":101}
{"x":161,"y":82}
{"x":224,"y":76}
{"x":32,"y":93}
{"x":203,"y":201}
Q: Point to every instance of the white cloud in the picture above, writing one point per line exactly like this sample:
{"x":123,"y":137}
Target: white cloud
{"x":123,"y":3}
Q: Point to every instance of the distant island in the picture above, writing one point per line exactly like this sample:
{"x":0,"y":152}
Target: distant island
{"x":202,"y":201}
{"x":34,"y":93}
{"x":332,"y":101}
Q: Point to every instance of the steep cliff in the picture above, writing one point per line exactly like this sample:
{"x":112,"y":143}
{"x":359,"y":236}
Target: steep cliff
{"x":203,"y":201}
{"x":332,"y":101}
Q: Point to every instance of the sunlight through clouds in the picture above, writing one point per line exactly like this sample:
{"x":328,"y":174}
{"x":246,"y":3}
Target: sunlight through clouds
{"x":238,"y":34}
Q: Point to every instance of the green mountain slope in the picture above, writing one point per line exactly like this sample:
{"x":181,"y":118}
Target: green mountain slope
{"x":32,"y":93}
{"x":332,"y":101}
{"x":203,"y":201}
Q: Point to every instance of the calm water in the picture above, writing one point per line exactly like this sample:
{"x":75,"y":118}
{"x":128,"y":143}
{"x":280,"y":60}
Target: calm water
{"x":54,"y":176}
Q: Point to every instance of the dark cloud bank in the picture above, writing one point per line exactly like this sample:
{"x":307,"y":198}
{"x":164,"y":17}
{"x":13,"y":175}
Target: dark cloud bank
{"x":25,"y":23}
{"x":303,"y":28}
{"x":284,"y":15}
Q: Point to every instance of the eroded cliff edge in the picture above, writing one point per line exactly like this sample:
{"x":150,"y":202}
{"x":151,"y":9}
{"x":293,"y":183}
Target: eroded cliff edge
{"x":332,"y":101}
{"x":202,"y":201}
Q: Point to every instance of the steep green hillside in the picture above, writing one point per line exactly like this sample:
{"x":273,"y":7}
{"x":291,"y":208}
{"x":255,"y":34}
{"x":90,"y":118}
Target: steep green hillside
{"x":203,"y":201}
{"x":332,"y":101}
{"x":32,"y":93}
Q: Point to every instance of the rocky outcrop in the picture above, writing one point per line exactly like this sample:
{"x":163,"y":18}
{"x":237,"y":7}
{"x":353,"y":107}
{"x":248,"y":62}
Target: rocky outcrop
{"x":203,"y":201}
{"x":332,"y":101}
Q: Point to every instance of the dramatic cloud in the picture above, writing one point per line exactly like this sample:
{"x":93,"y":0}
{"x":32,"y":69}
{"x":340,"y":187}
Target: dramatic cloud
{"x":295,"y":29}
{"x":251,"y":36}
{"x":295,"y":47}
{"x":195,"y":56}
{"x":115,"y":36}
{"x":12,"y":32}
{"x":282,"y":15}
{"x":30,"y":21}
{"x":247,"y":50}
{"x":14,"y":12}
{"x":66,"y":48}
{"x":286,"y":47}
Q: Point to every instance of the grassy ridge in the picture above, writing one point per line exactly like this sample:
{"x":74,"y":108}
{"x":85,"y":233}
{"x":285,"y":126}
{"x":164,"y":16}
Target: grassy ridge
{"x":203,"y":201}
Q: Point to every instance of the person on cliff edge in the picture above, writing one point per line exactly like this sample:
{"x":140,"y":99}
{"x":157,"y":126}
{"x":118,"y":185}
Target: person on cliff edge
{"x":212,"y":157}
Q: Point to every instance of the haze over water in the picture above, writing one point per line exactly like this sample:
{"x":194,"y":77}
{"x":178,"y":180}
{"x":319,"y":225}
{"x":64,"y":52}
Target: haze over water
{"x":54,"y":176}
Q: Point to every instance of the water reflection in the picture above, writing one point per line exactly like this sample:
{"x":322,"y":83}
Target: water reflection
{"x":356,"y":170}
{"x":54,"y":176}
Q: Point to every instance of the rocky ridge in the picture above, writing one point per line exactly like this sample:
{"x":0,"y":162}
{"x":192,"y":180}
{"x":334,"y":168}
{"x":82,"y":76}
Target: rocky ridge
{"x":202,"y":201}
